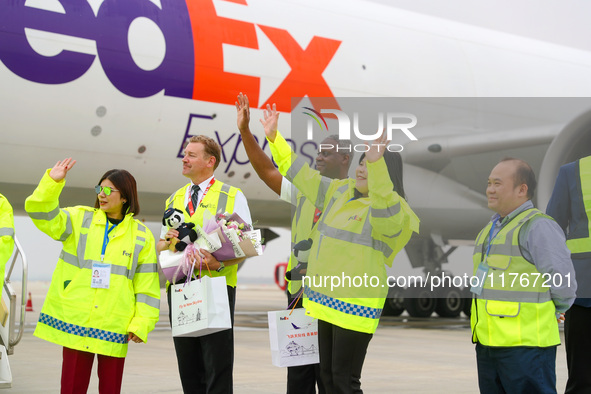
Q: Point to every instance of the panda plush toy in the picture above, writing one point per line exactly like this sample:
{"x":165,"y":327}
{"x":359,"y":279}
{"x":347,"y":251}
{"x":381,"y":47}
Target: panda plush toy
{"x":301,"y":251}
{"x":173,"y":218}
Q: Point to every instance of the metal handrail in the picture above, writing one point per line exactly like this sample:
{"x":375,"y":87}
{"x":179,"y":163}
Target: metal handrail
{"x":19,"y":250}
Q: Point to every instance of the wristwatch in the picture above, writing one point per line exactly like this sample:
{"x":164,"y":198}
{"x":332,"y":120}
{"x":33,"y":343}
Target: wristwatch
{"x":222,"y":266}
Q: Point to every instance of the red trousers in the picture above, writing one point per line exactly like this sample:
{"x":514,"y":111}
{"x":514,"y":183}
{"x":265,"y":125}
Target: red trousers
{"x":77,"y":366}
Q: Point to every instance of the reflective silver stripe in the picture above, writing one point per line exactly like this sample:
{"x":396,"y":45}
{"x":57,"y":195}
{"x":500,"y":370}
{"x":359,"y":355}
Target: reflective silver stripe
{"x":340,"y":191}
{"x":87,"y":219}
{"x":146,"y":299}
{"x":509,"y":234}
{"x":515,"y":296}
{"x":299,"y":209}
{"x":223,"y":197}
{"x":385,"y":212}
{"x":140,"y":242}
{"x":68,"y":231}
{"x":88,"y":263}
{"x":69,"y":258}
{"x":363,"y":239}
{"x":119,"y":270}
{"x":140,"y":236}
{"x":147,"y":268}
{"x":295,"y":167}
{"x":506,"y":248}
{"x":322,"y":190}
{"x":4,"y":231}
{"x":44,"y":215}
{"x":81,"y":249}
{"x":171,"y":199}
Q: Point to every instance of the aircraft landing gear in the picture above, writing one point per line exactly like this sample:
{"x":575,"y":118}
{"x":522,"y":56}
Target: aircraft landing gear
{"x":450,"y":302}
{"x":419,"y":301}
{"x":394,"y":305}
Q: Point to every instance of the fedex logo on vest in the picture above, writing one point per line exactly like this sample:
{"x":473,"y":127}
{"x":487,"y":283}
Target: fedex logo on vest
{"x":191,"y":60}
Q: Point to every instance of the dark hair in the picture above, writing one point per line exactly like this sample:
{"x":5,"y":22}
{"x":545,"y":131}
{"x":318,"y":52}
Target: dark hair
{"x":210,"y":147}
{"x":524,"y":174}
{"x":394,"y":165}
{"x":125,"y":183}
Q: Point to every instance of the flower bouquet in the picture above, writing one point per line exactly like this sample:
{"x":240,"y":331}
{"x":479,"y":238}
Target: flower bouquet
{"x":177,"y":262}
{"x":237,"y":237}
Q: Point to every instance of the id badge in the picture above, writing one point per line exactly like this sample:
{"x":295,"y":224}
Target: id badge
{"x":481,"y":273}
{"x":101,"y":273}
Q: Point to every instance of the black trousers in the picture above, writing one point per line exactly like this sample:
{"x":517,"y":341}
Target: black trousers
{"x":303,"y":379}
{"x":516,"y":369}
{"x":206,"y":363}
{"x":578,"y":349}
{"x":342,"y":353}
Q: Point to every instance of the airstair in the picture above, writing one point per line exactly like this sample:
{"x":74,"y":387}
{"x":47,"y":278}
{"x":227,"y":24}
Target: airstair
{"x":10,"y":336}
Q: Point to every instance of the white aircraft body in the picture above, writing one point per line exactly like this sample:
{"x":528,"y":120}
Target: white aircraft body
{"x":123,"y":84}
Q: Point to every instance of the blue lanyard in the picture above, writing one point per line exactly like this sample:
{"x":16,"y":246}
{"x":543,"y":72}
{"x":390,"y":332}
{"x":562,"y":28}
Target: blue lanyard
{"x":106,"y":238}
{"x":490,"y":236}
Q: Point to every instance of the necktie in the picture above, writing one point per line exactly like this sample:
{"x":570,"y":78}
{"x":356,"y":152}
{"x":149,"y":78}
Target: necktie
{"x":194,"y":198}
{"x":317,"y":215}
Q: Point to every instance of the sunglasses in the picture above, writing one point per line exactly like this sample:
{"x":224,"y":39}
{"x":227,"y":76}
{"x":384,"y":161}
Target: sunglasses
{"x":106,"y":189}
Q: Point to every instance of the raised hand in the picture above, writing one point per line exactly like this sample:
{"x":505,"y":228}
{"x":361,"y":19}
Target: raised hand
{"x":271,"y":117}
{"x":377,"y":148}
{"x":242,"y":112}
{"x":61,"y":168}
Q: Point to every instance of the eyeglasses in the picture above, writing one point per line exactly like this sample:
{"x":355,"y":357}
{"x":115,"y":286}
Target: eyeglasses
{"x":106,"y":189}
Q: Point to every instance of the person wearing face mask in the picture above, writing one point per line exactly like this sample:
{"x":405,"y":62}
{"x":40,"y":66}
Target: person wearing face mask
{"x":105,"y":288}
{"x":365,"y":222}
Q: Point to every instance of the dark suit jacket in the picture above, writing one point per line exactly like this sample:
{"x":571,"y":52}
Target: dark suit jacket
{"x":567,"y":208}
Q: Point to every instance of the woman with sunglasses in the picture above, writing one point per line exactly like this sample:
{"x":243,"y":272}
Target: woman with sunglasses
{"x":105,"y":289}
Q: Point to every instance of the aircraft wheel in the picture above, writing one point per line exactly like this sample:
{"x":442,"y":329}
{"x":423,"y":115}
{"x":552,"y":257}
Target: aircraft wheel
{"x":451,"y":302}
{"x":419,"y":301}
{"x":394,"y":305}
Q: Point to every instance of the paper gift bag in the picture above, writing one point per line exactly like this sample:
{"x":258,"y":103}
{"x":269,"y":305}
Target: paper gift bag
{"x":169,"y":262}
{"x":294,"y":338}
{"x":200,"y":307}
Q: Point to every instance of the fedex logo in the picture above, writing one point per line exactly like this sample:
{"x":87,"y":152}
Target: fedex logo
{"x":193,"y":63}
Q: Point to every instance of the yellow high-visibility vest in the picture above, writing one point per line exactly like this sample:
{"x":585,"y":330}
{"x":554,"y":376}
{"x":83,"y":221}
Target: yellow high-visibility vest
{"x":220,"y":197}
{"x":583,"y":245}
{"x":355,"y":238}
{"x":301,"y":229}
{"x":74,"y":314}
{"x":515,"y":308}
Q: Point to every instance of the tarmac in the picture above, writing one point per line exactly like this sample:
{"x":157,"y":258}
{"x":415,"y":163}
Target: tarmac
{"x":406,"y":355}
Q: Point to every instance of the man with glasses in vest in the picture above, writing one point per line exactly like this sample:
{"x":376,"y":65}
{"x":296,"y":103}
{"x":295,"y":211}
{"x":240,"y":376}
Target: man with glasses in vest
{"x":523,"y":284}
{"x":330,"y":163}
{"x":570,"y":206}
{"x":206,"y":363}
